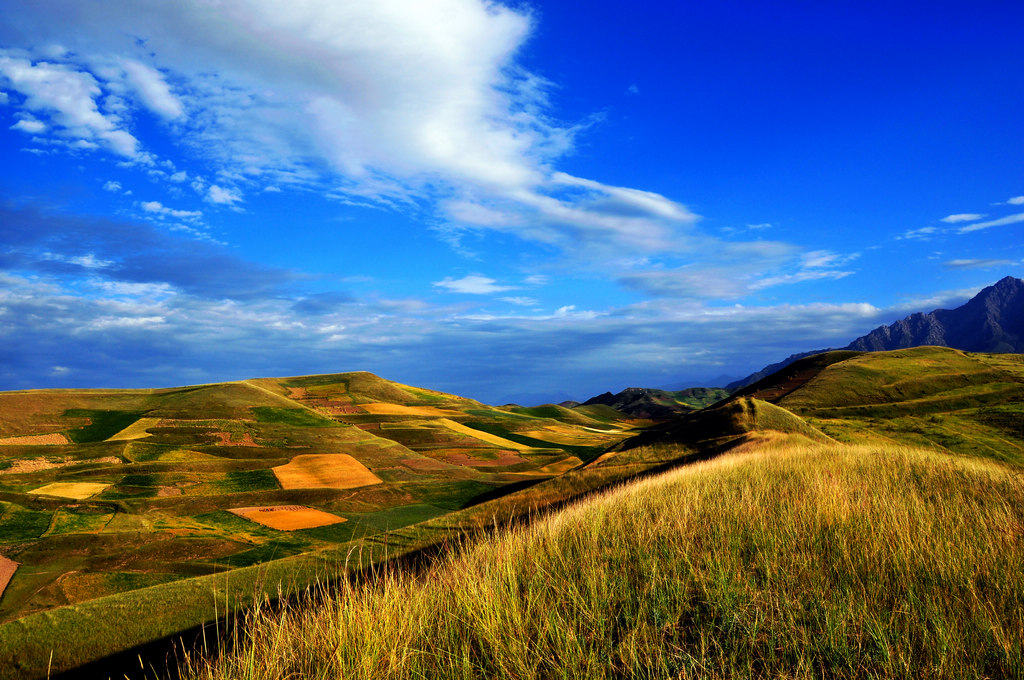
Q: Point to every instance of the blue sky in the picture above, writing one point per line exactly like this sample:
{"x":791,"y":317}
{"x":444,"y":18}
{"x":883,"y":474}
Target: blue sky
{"x":524,"y":201}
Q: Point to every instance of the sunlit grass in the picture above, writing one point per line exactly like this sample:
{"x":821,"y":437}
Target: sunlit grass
{"x":774,"y":561}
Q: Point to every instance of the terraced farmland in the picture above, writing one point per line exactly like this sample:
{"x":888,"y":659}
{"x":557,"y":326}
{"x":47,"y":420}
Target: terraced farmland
{"x":103,"y":492}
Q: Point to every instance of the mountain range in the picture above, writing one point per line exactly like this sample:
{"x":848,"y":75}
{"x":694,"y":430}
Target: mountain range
{"x":992,"y":321}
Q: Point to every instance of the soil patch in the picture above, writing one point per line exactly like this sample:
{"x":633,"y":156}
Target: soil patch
{"x":287,"y":517}
{"x":78,"y":491}
{"x":225,"y":439}
{"x":504,"y":459}
{"x":35,"y":439}
{"x":324,"y":471}
{"x":24,"y":465}
{"x":7,"y":569}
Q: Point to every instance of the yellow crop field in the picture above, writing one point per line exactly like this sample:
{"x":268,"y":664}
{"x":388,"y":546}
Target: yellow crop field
{"x":136,"y":430}
{"x":324,"y":471}
{"x":483,"y":436}
{"x":78,"y":491}
{"x":382,"y":409}
{"x":35,"y":439}
{"x":287,"y":517}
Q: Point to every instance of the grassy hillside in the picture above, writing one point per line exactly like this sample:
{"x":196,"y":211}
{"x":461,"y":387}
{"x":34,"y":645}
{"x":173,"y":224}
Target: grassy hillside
{"x":779,"y":560}
{"x":971,"y":404}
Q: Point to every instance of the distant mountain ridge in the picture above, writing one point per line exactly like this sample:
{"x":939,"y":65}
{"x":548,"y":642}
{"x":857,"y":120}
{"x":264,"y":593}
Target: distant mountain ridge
{"x":991,"y":322}
{"x":645,"y":402}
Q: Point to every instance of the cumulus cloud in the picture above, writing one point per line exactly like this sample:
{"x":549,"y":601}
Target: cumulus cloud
{"x":396,"y":102}
{"x":68,"y":97}
{"x":1016,"y":200}
{"x":29,"y":125}
{"x":222,"y":196}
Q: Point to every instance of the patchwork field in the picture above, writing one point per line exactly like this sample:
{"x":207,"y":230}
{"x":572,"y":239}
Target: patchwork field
{"x":104,"y":492}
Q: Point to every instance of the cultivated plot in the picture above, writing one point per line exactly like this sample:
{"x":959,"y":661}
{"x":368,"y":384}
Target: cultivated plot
{"x":78,"y":491}
{"x":287,"y":517}
{"x":324,"y":471}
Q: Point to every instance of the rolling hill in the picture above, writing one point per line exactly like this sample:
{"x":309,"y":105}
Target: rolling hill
{"x":140,"y":515}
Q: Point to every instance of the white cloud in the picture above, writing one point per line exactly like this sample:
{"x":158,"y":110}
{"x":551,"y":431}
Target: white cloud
{"x":222,"y":196}
{"x":633,"y":89}
{"x":962,"y":217}
{"x":153,"y":90}
{"x":112,"y":186}
{"x":68,"y":97}
{"x":402,"y":102}
{"x":1001,"y":222}
{"x":29,"y":125}
{"x":473,"y":284}
{"x":1016,"y":200}
{"x":762,"y":225}
{"x":179,"y":177}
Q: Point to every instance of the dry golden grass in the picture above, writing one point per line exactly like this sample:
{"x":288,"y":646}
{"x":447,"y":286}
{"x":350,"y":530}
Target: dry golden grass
{"x":778,"y":561}
{"x":483,"y":436}
{"x":52,"y":439}
{"x":384,"y":409}
{"x":78,"y":491}
{"x":324,"y":471}
{"x":287,"y":517}
{"x":136,"y":430}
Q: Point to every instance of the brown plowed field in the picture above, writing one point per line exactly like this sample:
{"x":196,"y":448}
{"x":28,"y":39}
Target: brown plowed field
{"x":287,"y":517}
{"x":7,"y":569}
{"x":324,"y":471}
{"x":504,"y":459}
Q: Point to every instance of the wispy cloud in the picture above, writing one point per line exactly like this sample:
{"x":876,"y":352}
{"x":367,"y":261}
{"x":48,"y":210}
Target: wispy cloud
{"x":1001,"y":222}
{"x":962,"y":217}
{"x":976,"y":263}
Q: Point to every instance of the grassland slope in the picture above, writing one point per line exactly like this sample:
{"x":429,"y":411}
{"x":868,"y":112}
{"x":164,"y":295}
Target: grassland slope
{"x":776,"y":560}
